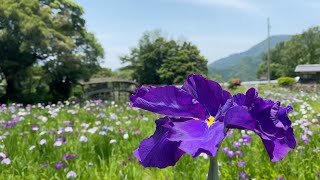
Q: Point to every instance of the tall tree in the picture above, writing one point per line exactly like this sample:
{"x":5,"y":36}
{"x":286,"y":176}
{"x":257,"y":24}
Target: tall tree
{"x":51,"y":31}
{"x":300,"y":49}
{"x":158,"y":60}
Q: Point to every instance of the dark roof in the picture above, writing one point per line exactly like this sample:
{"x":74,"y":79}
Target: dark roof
{"x":105,"y":80}
{"x":308,"y":68}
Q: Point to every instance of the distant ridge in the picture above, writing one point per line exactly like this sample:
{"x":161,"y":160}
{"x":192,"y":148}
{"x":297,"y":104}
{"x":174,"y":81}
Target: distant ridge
{"x":244,"y":65}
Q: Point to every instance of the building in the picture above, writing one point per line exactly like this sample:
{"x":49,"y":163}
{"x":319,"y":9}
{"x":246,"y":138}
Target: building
{"x":309,"y":73}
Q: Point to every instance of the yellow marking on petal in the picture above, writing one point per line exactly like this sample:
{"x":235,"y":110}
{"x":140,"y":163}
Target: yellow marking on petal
{"x":210,"y":121}
{"x":196,"y":118}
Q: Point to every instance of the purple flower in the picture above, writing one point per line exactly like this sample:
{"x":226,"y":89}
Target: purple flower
{"x":10,"y":124}
{"x":267,"y":119}
{"x":205,"y":113}
{"x":69,"y":156}
{"x":238,"y":153}
{"x":60,"y":165}
{"x":305,"y":138}
{"x":246,"y":139}
{"x":230,"y":154}
{"x":241,"y":163}
{"x":236,"y":144}
{"x":280,"y":178}
{"x":243,"y":175}
{"x":225,"y":149}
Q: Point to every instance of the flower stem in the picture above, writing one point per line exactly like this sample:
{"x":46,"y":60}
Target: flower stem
{"x":213,"y":169}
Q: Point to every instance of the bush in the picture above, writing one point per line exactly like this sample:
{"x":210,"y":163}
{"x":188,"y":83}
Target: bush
{"x":233,"y":83}
{"x":286,"y":81}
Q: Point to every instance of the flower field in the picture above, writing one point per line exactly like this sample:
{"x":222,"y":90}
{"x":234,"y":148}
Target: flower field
{"x":96,"y":140}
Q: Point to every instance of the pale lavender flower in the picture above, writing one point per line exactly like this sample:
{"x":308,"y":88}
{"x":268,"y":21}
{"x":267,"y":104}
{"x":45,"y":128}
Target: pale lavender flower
{"x":35,"y":127}
{"x":6,"y":161}
{"x":83,"y":139}
{"x":241,"y":163}
{"x":236,"y":144}
{"x":71,"y":174}
{"x":59,"y":141}
{"x":230,"y":154}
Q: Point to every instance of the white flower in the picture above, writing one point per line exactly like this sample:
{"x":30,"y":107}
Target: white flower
{"x":68,"y":129}
{"x":125,"y":136}
{"x":6,"y":161}
{"x":204,"y":155}
{"x":43,"y":141}
{"x":118,"y":123}
{"x":92,"y":130}
{"x":83,"y":139}
{"x":102,"y":133}
{"x":128,"y":122}
{"x":71,"y":174}
{"x":58,"y":143}
{"x":112,"y":141}
{"x":145,"y":119}
{"x":31,"y":148}
{"x":3,"y":155}
{"x":42,"y":133}
{"x":98,"y":123}
{"x":43,"y":118}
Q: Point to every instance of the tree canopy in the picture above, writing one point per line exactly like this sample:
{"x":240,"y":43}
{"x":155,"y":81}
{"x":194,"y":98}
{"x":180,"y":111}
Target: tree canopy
{"x":300,"y":49}
{"x":158,"y":60}
{"x":47,"y":32}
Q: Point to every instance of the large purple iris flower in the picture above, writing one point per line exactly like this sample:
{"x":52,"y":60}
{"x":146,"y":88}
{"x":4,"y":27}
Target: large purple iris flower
{"x":198,"y":116}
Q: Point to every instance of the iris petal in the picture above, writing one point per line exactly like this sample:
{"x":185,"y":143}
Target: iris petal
{"x":267,"y":119}
{"x":196,"y":137}
{"x":238,"y":117}
{"x":157,"y":151}
{"x":168,"y":100}
{"x":207,"y":92}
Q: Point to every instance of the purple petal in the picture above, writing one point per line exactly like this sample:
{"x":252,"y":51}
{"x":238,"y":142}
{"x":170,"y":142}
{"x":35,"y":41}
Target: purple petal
{"x":168,"y":100}
{"x":196,"y":137}
{"x":157,"y":151}
{"x":207,"y":92}
{"x":271,"y":122}
{"x":238,"y":117}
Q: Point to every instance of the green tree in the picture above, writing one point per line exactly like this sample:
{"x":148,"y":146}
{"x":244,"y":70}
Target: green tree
{"x":300,"y":49}
{"x":104,"y":72}
{"x":50,"y":31}
{"x":158,"y":60}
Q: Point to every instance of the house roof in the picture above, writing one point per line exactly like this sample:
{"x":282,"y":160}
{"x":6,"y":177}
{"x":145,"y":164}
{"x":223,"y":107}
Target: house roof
{"x":308,"y":68}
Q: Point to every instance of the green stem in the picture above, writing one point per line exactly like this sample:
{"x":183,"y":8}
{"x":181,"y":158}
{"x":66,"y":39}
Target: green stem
{"x":213,"y":169}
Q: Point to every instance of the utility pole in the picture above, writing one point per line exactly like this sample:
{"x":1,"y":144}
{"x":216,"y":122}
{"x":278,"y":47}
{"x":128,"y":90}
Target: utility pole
{"x":268,"y":24}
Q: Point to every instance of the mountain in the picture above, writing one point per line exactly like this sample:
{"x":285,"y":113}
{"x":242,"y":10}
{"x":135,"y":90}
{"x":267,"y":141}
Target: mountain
{"x":244,"y":65}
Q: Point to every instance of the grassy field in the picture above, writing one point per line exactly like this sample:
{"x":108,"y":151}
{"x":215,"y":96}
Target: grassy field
{"x":95,"y":140}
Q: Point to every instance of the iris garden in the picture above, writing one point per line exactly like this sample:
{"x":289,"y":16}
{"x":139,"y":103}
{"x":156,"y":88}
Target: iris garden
{"x":101,"y":140}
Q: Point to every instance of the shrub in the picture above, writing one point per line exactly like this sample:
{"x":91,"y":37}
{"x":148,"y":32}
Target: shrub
{"x":233,"y":83}
{"x":286,"y":81}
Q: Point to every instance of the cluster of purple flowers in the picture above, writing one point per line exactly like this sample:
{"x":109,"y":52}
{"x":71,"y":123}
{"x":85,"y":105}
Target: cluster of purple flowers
{"x":198,"y":117}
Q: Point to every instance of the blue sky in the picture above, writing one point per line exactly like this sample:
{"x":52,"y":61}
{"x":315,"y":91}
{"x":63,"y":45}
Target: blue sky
{"x":218,"y":27}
